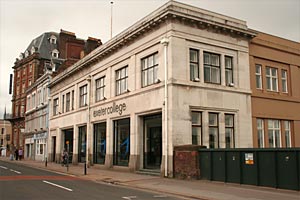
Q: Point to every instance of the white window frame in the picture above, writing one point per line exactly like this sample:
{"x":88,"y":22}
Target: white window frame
{"x":100,"y":88}
{"x":214,"y":69}
{"x":258,"y":76}
{"x":272,"y":133}
{"x":194,"y":65}
{"x":83,"y":95}
{"x":272,"y":80}
{"x":149,"y":69}
{"x":284,"y":81}
{"x":196,"y":127}
{"x":229,"y":80}
{"x":231,"y":128}
{"x":55,"y":106}
{"x":260,"y":133}
{"x":122,"y":80}
{"x":287,"y":130}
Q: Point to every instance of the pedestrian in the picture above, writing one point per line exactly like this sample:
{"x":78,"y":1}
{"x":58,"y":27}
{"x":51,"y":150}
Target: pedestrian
{"x":65,"y":158}
{"x":17,"y":154}
{"x":20,"y":153}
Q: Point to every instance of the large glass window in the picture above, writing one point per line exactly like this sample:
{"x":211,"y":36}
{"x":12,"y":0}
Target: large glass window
{"x":228,"y":70}
{"x":274,"y":133}
{"x":258,"y":76}
{"x":149,"y":69}
{"x":213,"y":130}
{"x":212,"y":71}
{"x":100,"y":89}
{"x":122,"y":80}
{"x":284,"y":81}
{"x":83,"y":96}
{"x":194,"y":65}
{"x":99,"y":143}
{"x":55,"y":106}
{"x":229,"y":131}
{"x":272,"y":79}
{"x":82,"y":144}
{"x":260,"y":133}
{"x":121,"y":142}
{"x":196,"y":128}
{"x":287,"y":133}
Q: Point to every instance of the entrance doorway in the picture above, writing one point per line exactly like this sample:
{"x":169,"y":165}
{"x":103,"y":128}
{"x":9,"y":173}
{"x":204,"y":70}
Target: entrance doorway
{"x":152,"y":141}
{"x":68,"y":143}
{"x":53,"y":148}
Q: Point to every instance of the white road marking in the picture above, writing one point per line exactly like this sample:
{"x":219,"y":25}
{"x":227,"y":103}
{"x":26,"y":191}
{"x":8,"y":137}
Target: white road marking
{"x":3,"y":167}
{"x":160,"y":196}
{"x":129,"y":198}
{"x":62,"y":187}
{"x":15,"y":171}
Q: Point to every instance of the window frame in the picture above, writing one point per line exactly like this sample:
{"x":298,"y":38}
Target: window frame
{"x":260,"y":135}
{"x":284,"y":81}
{"x":212,"y":66}
{"x":287,"y":129}
{"x":273,"y":130}
{"x":146,"y":68}
{"x":83,"y":95}
{"x":271,"y":78}
{"x":100,"y":88}
{"x":120,"y":79}
{"x":68,"y":101}
{"x":232,"y":129}
{"x":214,"y":126}
{"x":259,"y":76}
{"x":55,"y":106}
{"x":195,"y":64}
{"x":197,"y":126}
{"x":229,"y":69}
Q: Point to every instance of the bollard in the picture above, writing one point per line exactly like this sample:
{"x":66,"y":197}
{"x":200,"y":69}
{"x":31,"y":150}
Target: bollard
{"x":85,"y":168}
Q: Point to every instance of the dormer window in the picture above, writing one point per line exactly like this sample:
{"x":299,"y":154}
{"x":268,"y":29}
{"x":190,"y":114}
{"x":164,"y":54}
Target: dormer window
{"x":52,"y":39}
{"x":55,"y":53}
{"x":21,"y":56}
{"x":32,"y":50}
{"x":26,"y":53}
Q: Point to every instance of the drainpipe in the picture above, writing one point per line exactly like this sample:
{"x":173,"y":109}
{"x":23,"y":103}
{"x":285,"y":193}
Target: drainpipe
{"x":88,"y":124}
{"x":165,"y":42}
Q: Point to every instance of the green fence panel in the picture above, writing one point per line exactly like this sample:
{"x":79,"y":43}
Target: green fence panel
{"x":249,"y":167}
{"x":233,"y":167}
{"x":218,"y":166}
{"x":267,"y":168}
{"x":287,"y":170}
{"x":205,"y":165}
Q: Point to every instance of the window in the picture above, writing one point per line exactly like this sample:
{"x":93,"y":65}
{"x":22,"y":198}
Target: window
{"x":28,"y":103}
{"x":83,"y":96}
{"x":284,"y":81}
{"x":274,"y":133}
{"x":212,"y":70}
{"x":287,"y":133}
{"x":100,"y":89}
{"x":18,"y":89}
{"x":23,"y":87}
{"x":40,"y":146}
{"x":17,"y":110}
{"x":121,"y":140}
{"x":122,"y":80}
{"x":55,"y":53}
{"x":2,"y":130}
{"x":260,"y":133}
{"x":258,"y":76}
{"x":29,"y":83}
{"x":30,"y":67}
{"x":229,"y":131}
{"x":196,"y":128}
{"x":52,"y":39}
{"x":22,"y":110}
{"x":73,"y":99}
{"x":228,"y":70}
{"x":24,"y":71}
{"x":99,"y":143}
{"x":194,"y":65}
{"x":213,"y":130}
{"x":82,"y":144}
{"x":149,"y":69}
{"x":33,"y":100}
{"x":55,"y":106}
{"x":18,"y":74}
{"x":272,"y":79}
{"x":63,"y":104}
{"x":68,"y":101}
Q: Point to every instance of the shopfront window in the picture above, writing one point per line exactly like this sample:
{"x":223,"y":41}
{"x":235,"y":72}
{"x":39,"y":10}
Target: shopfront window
{"x":99,"y":143}
{"x":82,"y":144}
{"x":121,"y":142}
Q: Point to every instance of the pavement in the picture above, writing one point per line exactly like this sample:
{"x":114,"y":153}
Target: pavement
{"x":187,"y":189}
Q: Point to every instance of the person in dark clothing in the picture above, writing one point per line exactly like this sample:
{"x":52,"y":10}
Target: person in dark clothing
{"x":16,"y":153}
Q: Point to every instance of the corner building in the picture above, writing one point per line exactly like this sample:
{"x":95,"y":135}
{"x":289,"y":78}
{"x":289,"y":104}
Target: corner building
{"x":178,"y":76}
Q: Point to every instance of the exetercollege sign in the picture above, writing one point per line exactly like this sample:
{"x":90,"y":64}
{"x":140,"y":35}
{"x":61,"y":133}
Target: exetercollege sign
{"x":110,"y":109}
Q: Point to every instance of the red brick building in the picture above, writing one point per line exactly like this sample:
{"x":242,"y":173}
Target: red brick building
{"x":50,"y":50}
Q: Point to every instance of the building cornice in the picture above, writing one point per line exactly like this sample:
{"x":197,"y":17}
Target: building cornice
{"x":172,"y":10}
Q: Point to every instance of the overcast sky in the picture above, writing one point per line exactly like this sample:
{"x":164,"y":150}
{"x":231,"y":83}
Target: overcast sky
{"x":23,"y":20}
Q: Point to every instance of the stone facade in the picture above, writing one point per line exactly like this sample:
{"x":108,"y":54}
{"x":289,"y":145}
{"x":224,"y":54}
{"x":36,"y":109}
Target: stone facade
{"x":179,"y":76}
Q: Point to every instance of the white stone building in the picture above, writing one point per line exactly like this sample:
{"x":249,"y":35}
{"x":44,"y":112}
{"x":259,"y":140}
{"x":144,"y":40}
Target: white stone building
{"x":178,"y":76}
{"x":37,"y":119}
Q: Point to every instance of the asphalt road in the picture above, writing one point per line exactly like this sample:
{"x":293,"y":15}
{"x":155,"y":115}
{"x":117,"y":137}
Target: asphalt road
{"x":19,"y":182}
